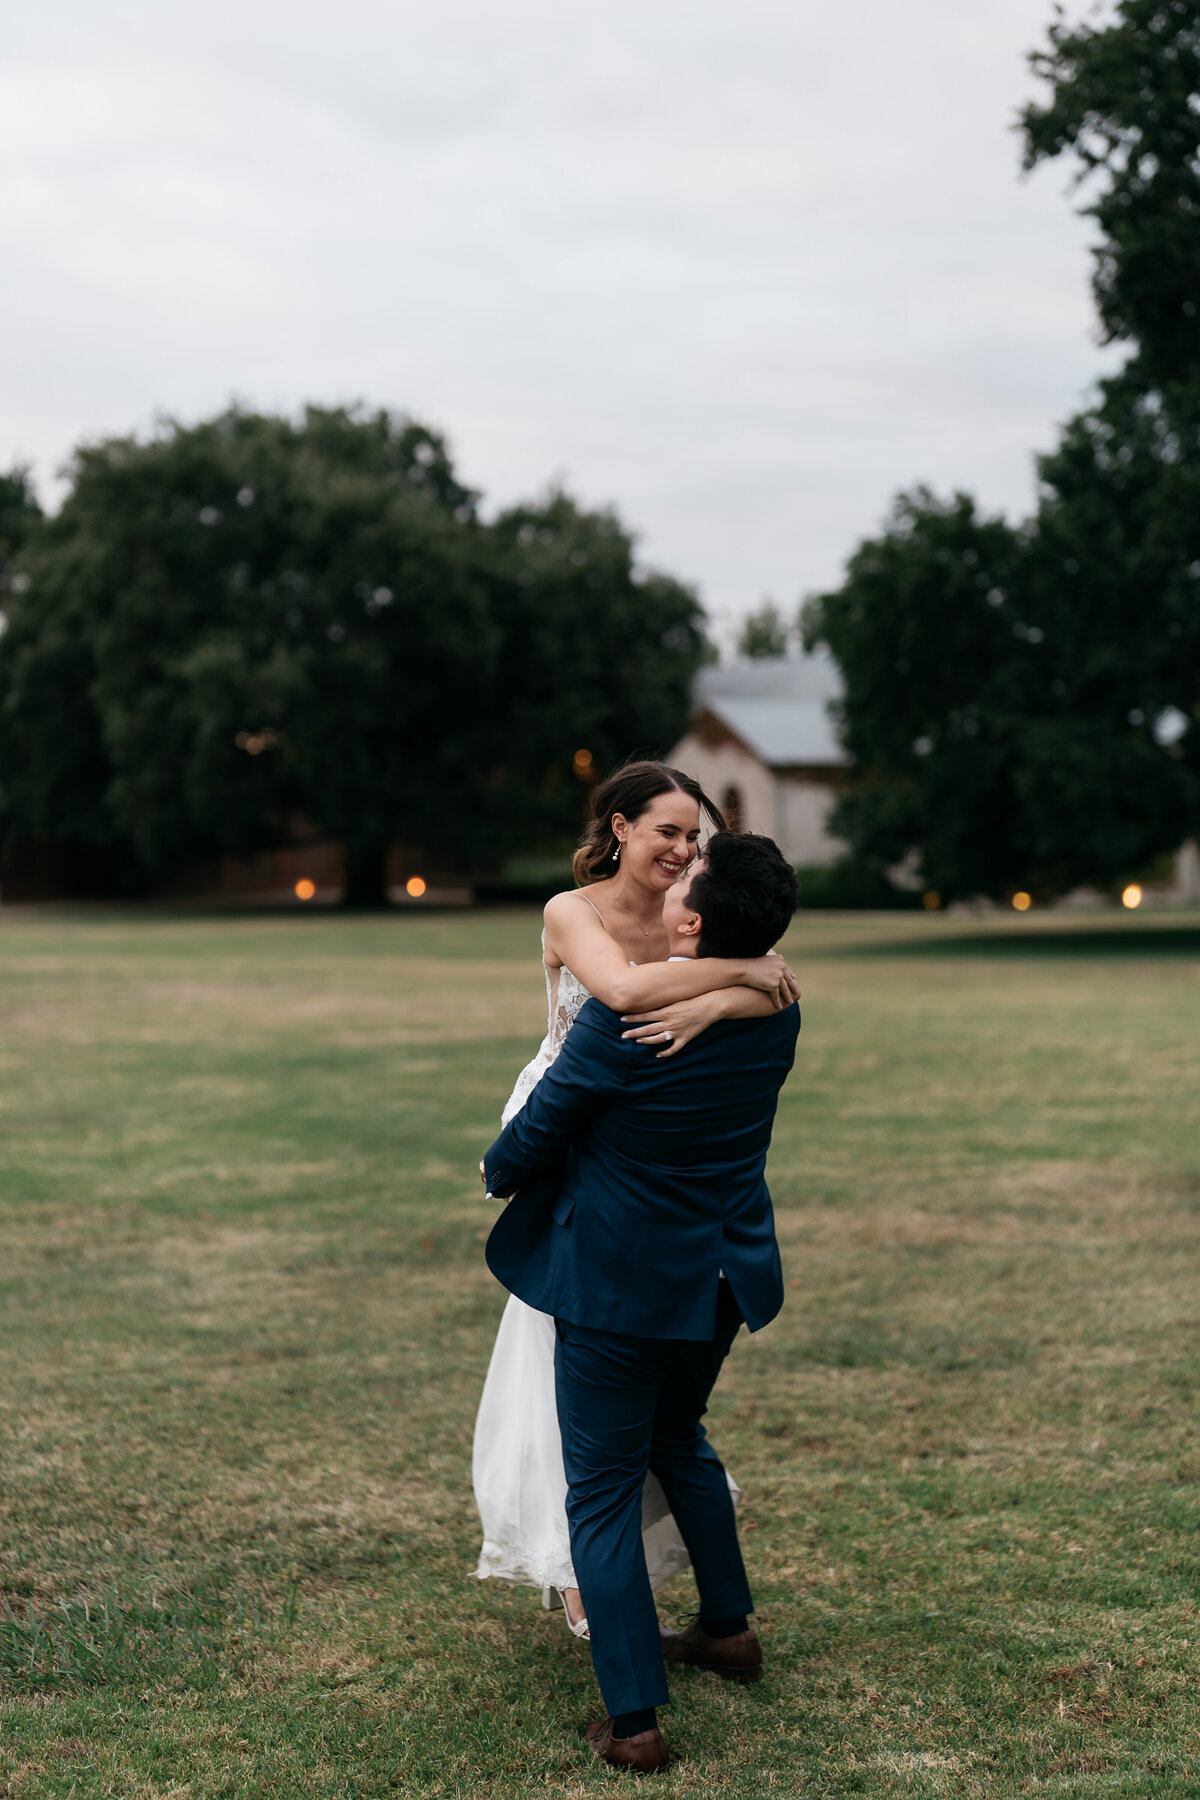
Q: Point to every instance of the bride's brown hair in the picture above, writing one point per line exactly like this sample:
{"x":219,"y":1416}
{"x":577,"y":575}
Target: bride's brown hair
{"x":629,"y":791}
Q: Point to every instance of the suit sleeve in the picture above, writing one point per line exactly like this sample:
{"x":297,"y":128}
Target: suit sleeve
{"x":588,"y":1073}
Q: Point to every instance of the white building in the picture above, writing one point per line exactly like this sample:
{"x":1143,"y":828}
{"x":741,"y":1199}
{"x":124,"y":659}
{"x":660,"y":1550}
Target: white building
{"x":762,"y":743}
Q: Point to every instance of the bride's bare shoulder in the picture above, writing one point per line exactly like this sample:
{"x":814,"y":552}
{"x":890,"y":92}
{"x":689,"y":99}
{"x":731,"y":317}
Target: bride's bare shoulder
{"x":573,"y":901}
{"x":568,"y":913}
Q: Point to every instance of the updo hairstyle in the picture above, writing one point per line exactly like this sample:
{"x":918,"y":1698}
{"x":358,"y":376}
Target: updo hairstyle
{"x":629,"y":791}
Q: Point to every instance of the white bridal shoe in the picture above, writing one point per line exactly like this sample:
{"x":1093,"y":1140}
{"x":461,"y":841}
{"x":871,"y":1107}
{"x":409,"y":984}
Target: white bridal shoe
{"x":552,"y":1597}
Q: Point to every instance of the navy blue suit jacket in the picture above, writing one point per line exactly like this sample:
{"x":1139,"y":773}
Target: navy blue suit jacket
{"x":637,"y":1182}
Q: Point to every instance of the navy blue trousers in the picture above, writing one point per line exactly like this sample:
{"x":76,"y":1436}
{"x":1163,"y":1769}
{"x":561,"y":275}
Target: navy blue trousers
{"x":626,"y":1405}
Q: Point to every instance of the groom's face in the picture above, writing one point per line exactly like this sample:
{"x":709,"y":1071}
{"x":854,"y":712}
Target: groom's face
{"x":682,"y":923}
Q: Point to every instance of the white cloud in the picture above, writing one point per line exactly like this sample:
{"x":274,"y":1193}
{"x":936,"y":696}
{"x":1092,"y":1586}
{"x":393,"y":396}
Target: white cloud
{"x":743,"y":271}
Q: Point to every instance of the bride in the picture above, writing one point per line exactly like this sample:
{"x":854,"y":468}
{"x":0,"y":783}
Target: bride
{"x":605,"y":938}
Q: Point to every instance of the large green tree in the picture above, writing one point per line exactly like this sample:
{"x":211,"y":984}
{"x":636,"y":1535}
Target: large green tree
{"x":1124,"y":104}
{"x":1022,"y":705}
{"x":936,"y":691}
{"x":243,"y":628}
{"x":595,"y":656}
{"x":1118,"y":526}
{"x":256,"y":627}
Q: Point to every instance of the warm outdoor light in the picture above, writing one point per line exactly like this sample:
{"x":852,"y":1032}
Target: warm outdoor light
{"x":414,"y":887}
{"x":255,"y":742}
{"x":931,"y":900}
{"x":1022,"y":902}
{"x":1132,"y":896}
{"x":582,"y":760}
{"x":305,"y":889}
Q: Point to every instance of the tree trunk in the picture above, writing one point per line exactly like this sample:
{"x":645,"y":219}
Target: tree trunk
{"x":366,"y":876}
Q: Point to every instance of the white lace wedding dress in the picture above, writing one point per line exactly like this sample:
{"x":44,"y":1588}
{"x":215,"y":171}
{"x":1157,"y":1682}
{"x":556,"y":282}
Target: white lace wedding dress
{"x":517,"y":1465}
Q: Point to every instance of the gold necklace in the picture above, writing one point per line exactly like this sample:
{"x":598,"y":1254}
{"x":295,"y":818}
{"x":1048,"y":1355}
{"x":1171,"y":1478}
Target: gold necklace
{"x":642,"y":928}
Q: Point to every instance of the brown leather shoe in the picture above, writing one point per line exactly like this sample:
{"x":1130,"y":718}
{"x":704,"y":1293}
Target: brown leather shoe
{"x":646,"y":1752}
{"x":734,"y":1658}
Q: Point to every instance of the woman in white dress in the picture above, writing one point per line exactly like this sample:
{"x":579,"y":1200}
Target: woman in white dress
{"x":609,"y":941}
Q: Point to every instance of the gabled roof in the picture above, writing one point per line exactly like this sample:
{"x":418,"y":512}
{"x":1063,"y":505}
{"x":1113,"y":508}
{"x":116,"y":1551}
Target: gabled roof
{"x":779,"y":708}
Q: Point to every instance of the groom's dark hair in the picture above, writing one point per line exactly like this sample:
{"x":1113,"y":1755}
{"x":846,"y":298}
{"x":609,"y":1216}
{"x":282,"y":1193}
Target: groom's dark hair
{"x":745,"y":893}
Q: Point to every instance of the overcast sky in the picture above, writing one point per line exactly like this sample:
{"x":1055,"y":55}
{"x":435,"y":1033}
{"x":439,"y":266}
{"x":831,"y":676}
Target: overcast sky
{"x":741,"y":269}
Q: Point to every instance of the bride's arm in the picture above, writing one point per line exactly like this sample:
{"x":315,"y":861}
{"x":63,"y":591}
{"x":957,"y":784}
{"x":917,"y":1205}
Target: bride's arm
{"x":666,"y":1029}
{"x":578,"y":939}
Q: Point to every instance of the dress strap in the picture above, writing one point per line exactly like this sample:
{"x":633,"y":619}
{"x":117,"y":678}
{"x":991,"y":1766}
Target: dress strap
{"x":594,"y":908}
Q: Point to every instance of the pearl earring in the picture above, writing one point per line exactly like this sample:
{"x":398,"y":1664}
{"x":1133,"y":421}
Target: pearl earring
{"x":616,"y":855}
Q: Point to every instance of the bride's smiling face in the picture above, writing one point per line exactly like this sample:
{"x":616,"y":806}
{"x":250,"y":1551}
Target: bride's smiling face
{"x":659,"y":844}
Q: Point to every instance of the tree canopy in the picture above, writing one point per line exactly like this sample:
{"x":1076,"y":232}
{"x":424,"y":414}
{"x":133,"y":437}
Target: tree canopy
{"x":765,"y":633}
{"x":20,"y":515}
{"x":1124,"y":103}
{"x":1022,"y":703}
{"x":592,"y":655}
{"x":253,"y":627}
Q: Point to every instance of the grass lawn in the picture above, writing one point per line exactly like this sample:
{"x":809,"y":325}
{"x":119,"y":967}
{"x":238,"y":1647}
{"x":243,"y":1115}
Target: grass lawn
{"x":244,"y":1320}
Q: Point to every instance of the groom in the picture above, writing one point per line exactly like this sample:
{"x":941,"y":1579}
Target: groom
{"x":642,"y":1222}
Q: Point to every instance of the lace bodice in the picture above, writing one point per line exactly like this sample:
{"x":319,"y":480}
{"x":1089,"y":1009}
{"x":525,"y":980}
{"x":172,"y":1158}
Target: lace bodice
{"x":565,"y":994}
{"x":564,"y":997}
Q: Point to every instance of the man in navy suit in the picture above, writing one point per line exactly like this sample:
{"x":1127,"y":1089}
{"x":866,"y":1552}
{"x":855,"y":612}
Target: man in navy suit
{"x":641,"y":1220}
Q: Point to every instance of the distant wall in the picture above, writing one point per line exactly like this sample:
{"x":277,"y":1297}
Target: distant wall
{"x":1185,"y":875}
{"x":803,"y":803}
{"x":725,"y":764}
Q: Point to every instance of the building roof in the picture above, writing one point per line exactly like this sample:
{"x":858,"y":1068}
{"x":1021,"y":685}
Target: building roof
{"x":779,"y":708}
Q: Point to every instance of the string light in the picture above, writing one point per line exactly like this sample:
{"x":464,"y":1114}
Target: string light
{"x":1132,"y":897}
{"x":1022,"y":901}
{"x":305,"y":889}
{"x":414,"y":887}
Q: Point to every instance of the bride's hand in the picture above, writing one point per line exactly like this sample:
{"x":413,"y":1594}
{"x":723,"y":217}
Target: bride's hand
{"x":671,"y":1027}
{"x":771,"y":975}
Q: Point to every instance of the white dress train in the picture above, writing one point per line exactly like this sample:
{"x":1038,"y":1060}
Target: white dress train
{"x":517,"y":1465}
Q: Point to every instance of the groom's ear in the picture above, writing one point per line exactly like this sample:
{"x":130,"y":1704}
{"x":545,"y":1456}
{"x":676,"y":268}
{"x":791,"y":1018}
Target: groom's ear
{"x":690,"y":925}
